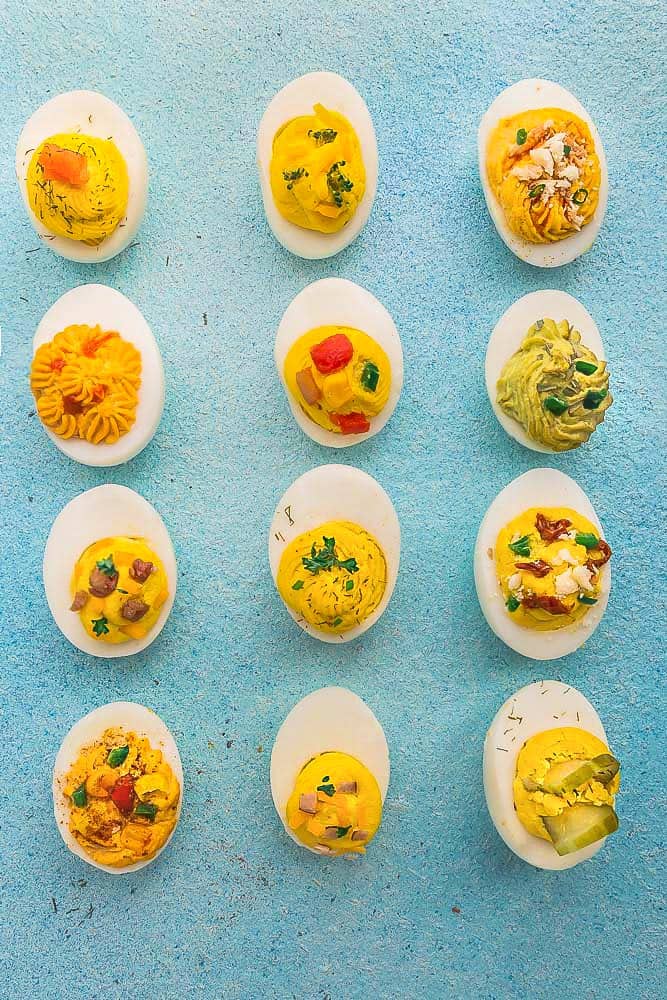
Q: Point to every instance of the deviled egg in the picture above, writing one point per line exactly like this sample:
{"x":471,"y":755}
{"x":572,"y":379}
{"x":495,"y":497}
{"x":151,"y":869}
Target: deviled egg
{"x":97,"y":376}
{"x":118,"y":787}
{"x":542,"y":568}
{"x":109,"y":572}
{"x":543,"y":171}
{"x":83,"y":176}
{"x":330,"y":773}
{"x":546,"y":375}
{"x":549,"y":778}
{"x":317,"y":158}
{"x":334,"y":550}
{"x":339,"y":356}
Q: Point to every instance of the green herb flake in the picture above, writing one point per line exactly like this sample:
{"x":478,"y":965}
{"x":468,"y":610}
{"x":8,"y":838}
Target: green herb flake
{"x":539,"y":324}
{"x":370,"y":376}
{"x":521,"y":137}
{"x":147,"y":809}
{"x":512,"y":603}
{"x":323,"y":136}
{"x":521,"y":547}
{"x":327,"y":789}
{"x":107,"y":565}
{"x":349,"y":585}
{"x":100,"y":626}
{"x":585,"y":367}
{"x":567,"y":150}
{"x":294,"y":175}
{"x":342,"y":831}
{"x":298,"y":585}
{"x":536,"y":191}
{"x":118,"y":756}
{"x":338,"y":183}
{"x":326,"y":558}
{"x":337,"y":622}
{"x":587,"y":539}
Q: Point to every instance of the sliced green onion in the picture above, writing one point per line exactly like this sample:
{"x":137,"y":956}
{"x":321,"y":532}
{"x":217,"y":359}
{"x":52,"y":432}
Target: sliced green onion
{"x":576,"y":196}
{"x":586,"y":600}
{"x":512,"y":603}
{"x":370,"y":376}
{"x":521,"y":137}
{"x":587,"y":539}
{"x":536,"y":191}
{"x":585,"y":367}
{"x":147,"y":809}
{"x":555,"y":405}
{"x":298,"y":585}
{"x":79,"y":797}
{"x":593,"y":398}
{"x":117,"y":756}
{"x":567,"y":150}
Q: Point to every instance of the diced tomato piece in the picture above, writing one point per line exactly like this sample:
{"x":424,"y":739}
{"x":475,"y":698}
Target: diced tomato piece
{"x":332,"y":354}
{"x":351,"y":423}
{"x":122,"y":793}
{"x":64,"y":165}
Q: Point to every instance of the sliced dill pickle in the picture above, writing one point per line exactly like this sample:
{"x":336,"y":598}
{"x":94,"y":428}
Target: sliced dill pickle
{"x":569,"y":774}
{"x":580,"y":825}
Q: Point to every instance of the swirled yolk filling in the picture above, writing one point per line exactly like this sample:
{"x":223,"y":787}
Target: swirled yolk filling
{"x":333,"y":576}
{"x":86,"y":384}
{"x":340,"y":377}
{"x":543,"y":169}
{"x":123,"y":798}
{"x":336,"y":805}
{"x":78,"y":186}
{"x":549,"y":562}
{"x":317,"y":171}
{"x":118,"y":587}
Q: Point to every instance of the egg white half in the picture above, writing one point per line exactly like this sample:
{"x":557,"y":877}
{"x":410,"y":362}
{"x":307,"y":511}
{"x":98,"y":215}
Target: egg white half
{"x":533,"y":709}
{"x":99,"y":304}
{"x":337,"y":493}
{"x":102,"y":512}
{"x":536,"y":488}
{"x":294,"y":100}
{"x":133,"y":718}
{"x":508,"y":335}
{"x":90,"y":113}
{"x":530,"y":95}
{"x":339,"y":302}
{"x":330,"y":719}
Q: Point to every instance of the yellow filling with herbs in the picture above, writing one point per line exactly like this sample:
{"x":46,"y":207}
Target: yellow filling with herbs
{"x":317,"y":171}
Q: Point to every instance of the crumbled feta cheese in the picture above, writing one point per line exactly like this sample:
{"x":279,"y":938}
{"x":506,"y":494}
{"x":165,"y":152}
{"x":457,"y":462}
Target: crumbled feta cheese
{"x":543,"y":157}
{"x":564,"y":556}
{"x":568,"y":171}
{"x":583,"y":575}
{"x":528,"y":172}
{"x":566,"y":584}
{"x":555,"y":147}
{"x":514,"y":581}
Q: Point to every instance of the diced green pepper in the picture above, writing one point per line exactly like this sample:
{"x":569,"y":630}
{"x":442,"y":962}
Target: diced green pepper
{"x":370,"y":376}
{"x":146,"y":809}
{"x":79,"y":797}
{"x":585,"y":367}
{"x":593,"y":398}
{"x":117,"y":756}
{"x":512,"y":603}
{"x":555,"y":405}
{"x":587,"y":539}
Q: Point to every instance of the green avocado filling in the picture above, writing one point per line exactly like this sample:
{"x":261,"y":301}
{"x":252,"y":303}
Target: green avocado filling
{"x":554,"y":386}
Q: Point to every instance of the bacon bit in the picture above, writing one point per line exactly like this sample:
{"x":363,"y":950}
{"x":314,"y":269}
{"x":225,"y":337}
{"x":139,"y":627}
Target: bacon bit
{"x":308,"y":387}
{"x":553,"y":605}
{"x":347,"y":787}
{"x":80,"y":600}
{"x":551,"y":530}
{"x":71,"y":405}
{"x":63,"y":165}
{"x":57,"y":364}
{"x":538,"y":568}
{"x":308,"y":803}
{"x":594,"y":564}
{"x":140,"y":570}
{"x":93,"y":345}
{"x":360,"y":835}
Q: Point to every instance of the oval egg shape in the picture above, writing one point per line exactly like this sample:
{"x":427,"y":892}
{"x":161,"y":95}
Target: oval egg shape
{"x":529,"y":711}
{"x":296,"y":99}
{"x":91,"y":114}
{"x":339,"y":302}
{"x":133,"y":718}
{"x":94,"y":305}
{"x":529,"y":95}
{"x":538,"y":487}
{"x":337,"y":493}
{"x":102,"y":512}
{"x":332,"y":718}
{"x":508,"y":335}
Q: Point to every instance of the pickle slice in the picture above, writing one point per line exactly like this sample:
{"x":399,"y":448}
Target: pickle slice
{"x":580,"y":825}
{"x":569,"y":774}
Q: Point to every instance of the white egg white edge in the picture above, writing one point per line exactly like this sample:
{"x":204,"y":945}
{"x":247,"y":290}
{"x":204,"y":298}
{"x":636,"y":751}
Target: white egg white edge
{"x":90,"y":113}
{"x":133,"y":718}
{"x":294,"y":100}
{"x":536,"y":488}
{"x":536,"y":708}
{"x":508,"y":335}
{"x":99,"y":304}
{"x":337,"y":493}
{"x":339,"y":302}
{"x":528,"y":95}
{"x":102,"y":512}
{"x":329,"y":719}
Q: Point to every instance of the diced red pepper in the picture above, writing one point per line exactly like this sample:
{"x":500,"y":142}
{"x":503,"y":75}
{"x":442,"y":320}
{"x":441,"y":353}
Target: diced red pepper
{"x":64,"y":165}
{"x":351,"y":423}
{"x":332,"y":354}
{"x":122,"y":793}
{"x":57,"y":364}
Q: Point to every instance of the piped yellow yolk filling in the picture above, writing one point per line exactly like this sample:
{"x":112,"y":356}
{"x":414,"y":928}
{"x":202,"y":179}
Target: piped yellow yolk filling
{"x":78,"y":186}
{"x":540,"y":753}
{"x":86,"y":384}
{"x":123,"y":799}
{"x":118,"y":588}
{"x":358,"y":386}
{"x":333,"y":576}
{"x":336,"y":805}
{"x":317,"y":171}
{"x":548,"y":563}
{"x":543,"y":169}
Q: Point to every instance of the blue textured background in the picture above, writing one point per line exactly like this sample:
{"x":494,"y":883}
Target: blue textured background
{"x":233,"y":909}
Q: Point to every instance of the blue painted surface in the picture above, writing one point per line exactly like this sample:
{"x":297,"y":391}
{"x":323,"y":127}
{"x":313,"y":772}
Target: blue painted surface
{"x":233,"y":909}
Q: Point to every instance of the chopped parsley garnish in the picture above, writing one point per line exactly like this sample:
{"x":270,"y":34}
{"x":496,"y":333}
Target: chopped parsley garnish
{"x":587,"y":539}
{"x":521,"y":137}
{"x":370,"y":376}
{"x":338,"y":183}
{"x":521,"y":547}
{"x":121,"y":591}
{"x":298,"y":585}
{"x":567,"y":150}
{"x":326,"y":558}
{"x":337,"y":622}
{"x":349,"y":584}
{"x":100,"y":626}
{"x":294,"y":175}
{"x":323,"y":136}
{"x":327,"y":789}
{"x":342,"y":830}
{"x":107,"y":565}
